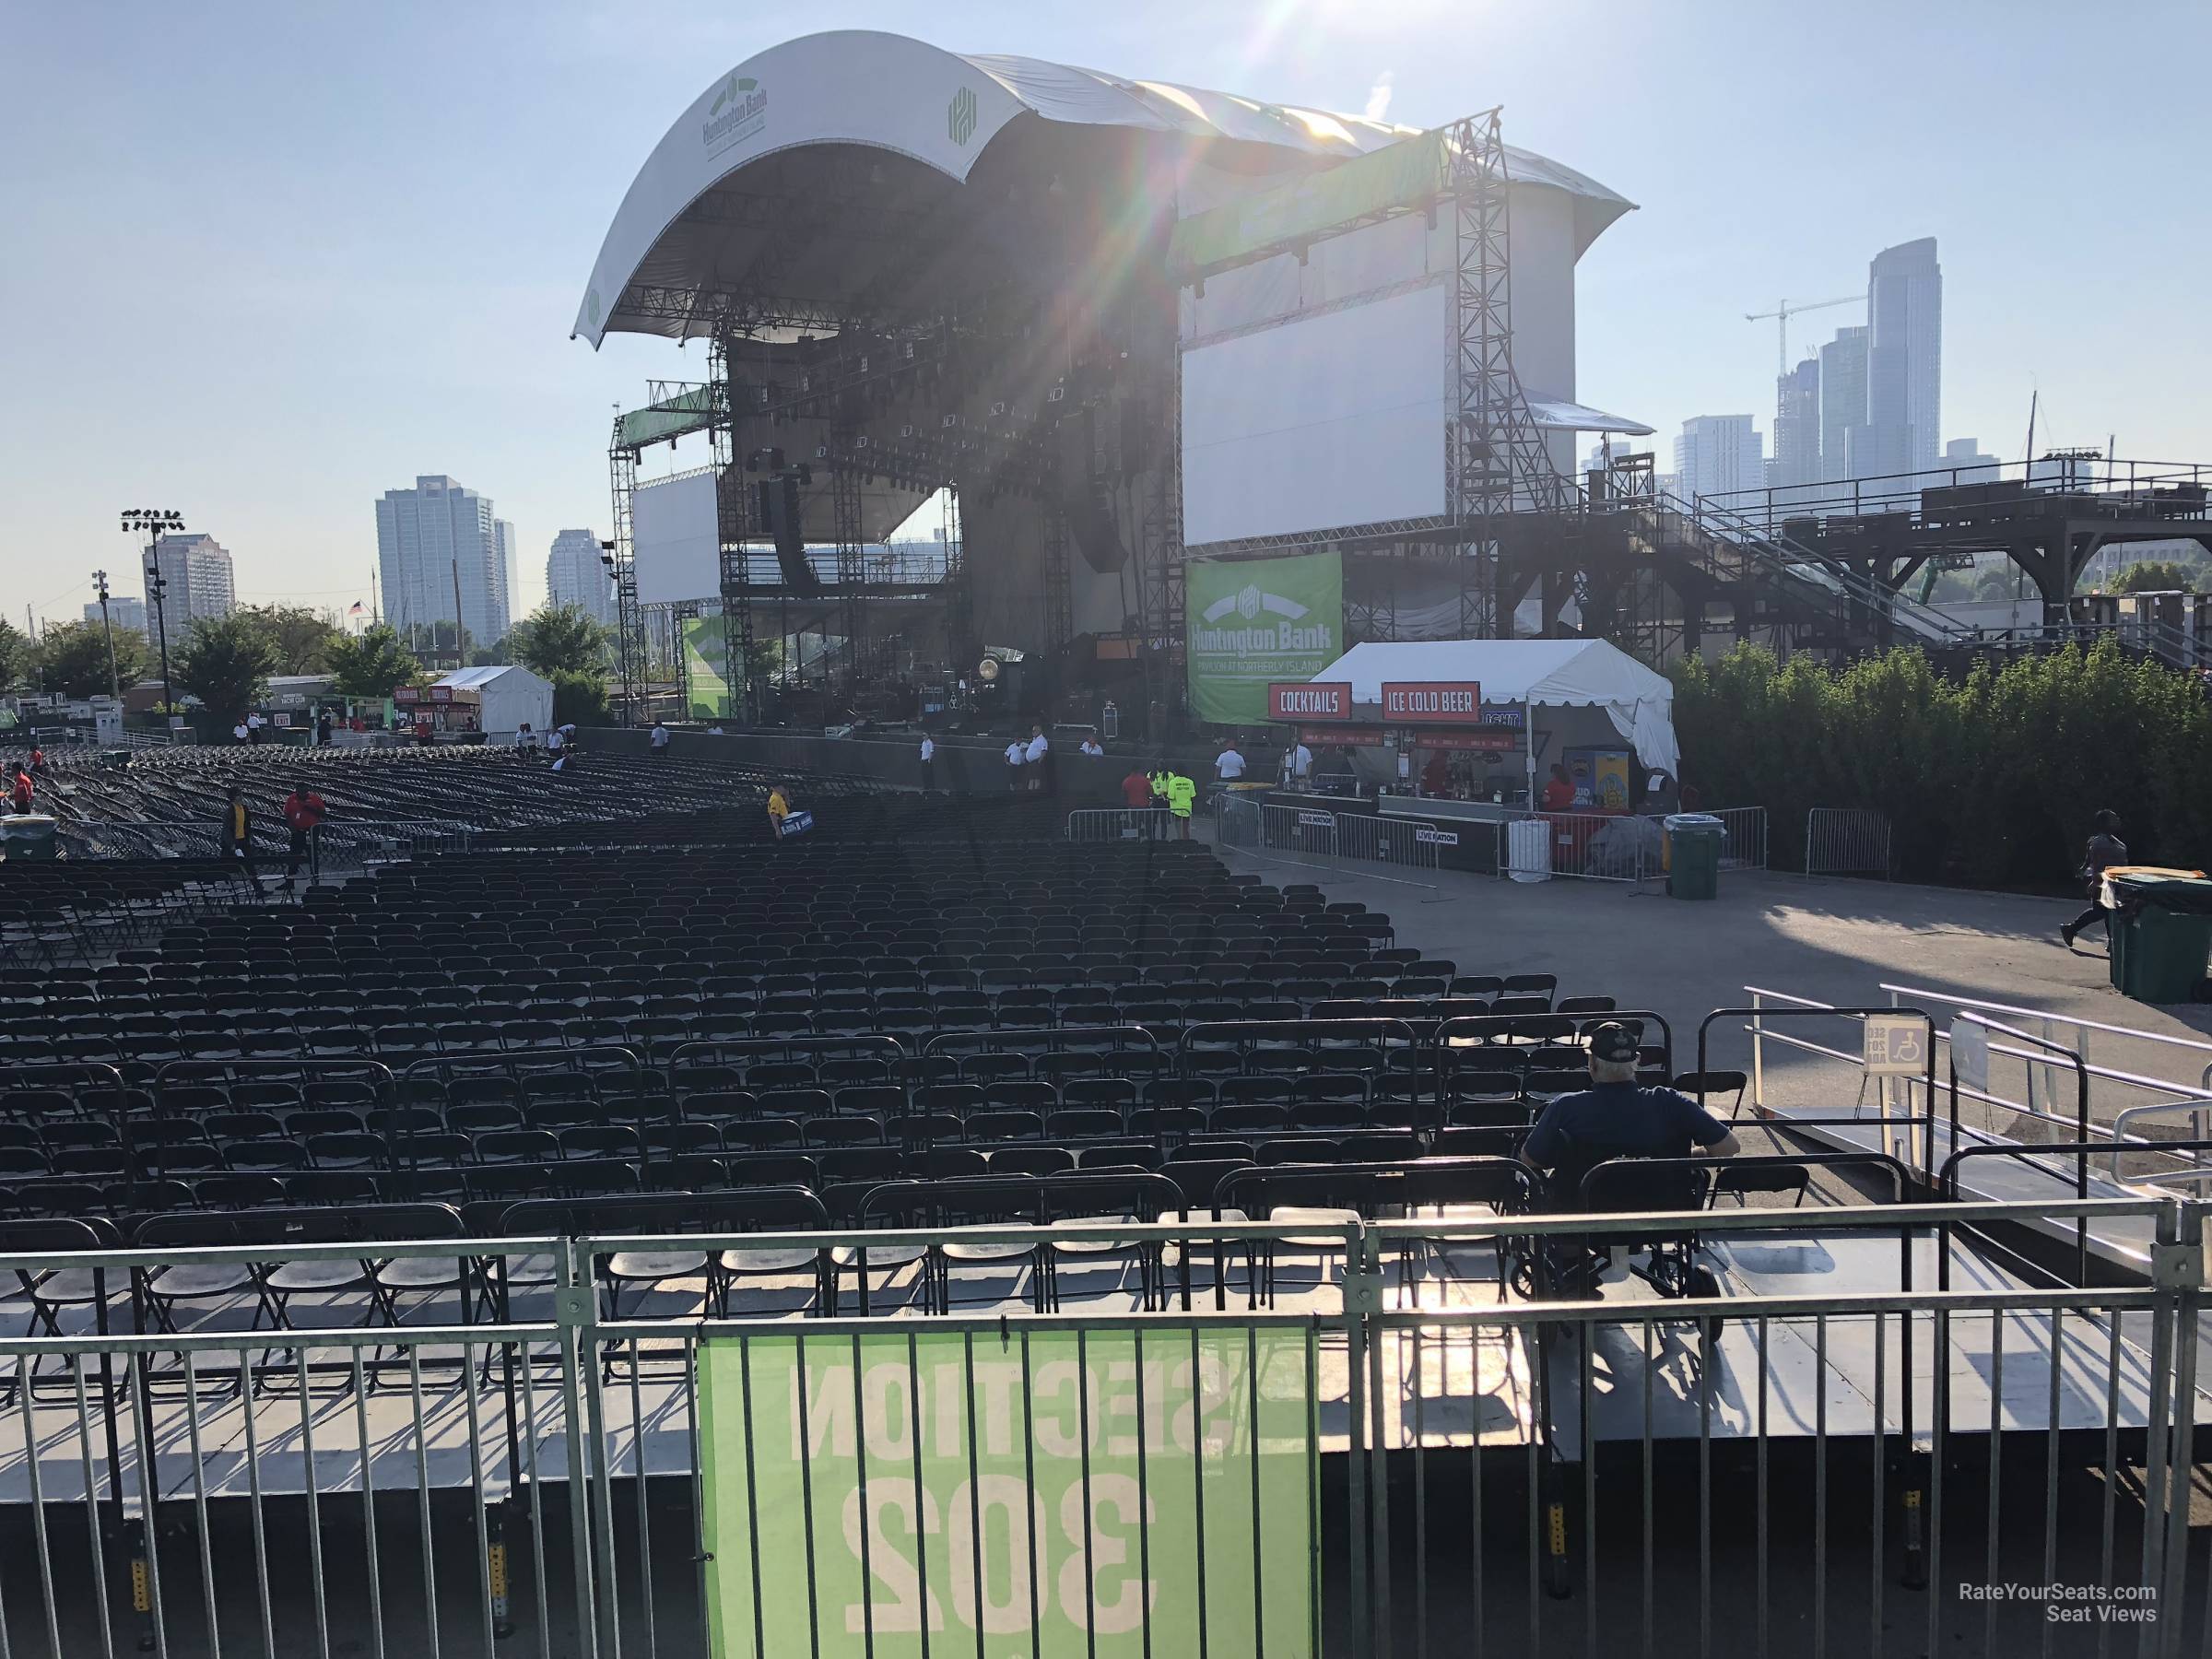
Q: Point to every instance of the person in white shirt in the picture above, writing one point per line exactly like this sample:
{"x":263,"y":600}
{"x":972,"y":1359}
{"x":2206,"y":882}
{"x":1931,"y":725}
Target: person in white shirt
{"x":556,"y":740}
{"x":660,"y":738}
{"x":1091,"y":746}
{"x":1016,"y":754}
{"x":929,"y":762}
{"x":1229,"y":765}
{"x":1037,"y":755}
{"x":239,"y":732}
{"x":1298,"y":764}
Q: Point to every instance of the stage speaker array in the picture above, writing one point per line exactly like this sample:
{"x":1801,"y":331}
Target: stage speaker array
{"x":779,"y":516}
{"x":1084,"y":499}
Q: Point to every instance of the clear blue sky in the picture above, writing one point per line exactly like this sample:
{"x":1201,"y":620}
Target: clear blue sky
{"x":264,"y":262}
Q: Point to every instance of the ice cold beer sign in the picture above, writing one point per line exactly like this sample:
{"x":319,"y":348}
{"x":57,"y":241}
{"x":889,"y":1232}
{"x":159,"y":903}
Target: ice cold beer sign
{"x":1445,"y":703}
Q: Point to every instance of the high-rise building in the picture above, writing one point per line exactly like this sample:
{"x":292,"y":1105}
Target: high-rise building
{"x":1797,"y":427}
{"x":196,"y":570}
{"x":1842,"y":401}
{"x":1964,"y":456}
{"x":431,"y":538}
{"x":574,"y":576}
{"x":511,"y":582}
{"x":1904,"y":358}
{"x":123,"y":611}
{"x":1718,"y":454}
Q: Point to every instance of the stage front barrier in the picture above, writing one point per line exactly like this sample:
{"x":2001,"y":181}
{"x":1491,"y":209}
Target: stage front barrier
{"x":1332,"y":1436}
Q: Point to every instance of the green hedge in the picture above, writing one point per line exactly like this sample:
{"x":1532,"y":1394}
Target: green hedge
{"x":1988,"y":780}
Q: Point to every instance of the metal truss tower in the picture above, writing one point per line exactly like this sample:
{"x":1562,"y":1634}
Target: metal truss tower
{"x":1059,"y":617}
{"x":846,"y":527}
{"x":960,"y":649}
{"x":733,"y":526}
{"x":629,"y":623}
{"x":1497,"y":461}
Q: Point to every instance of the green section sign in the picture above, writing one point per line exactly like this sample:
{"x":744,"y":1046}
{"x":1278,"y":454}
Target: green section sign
{"x":706,"y":655}
{"x":1110,"y":1493}
{"x":1253,"y":620}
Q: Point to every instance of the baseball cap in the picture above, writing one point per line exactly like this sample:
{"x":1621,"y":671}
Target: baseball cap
{"x":1613,"y":1042}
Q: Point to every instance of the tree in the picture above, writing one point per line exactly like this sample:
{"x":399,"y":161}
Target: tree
{"x":225,"y":663}
{"x":300,"y":637}
{"x":71,"y":658}
{"x":561,"y":639}
{"x":2156,"y":576}
{"x":16,"y":655}
{"x":580,"y":698}
{"x":371,"y":664}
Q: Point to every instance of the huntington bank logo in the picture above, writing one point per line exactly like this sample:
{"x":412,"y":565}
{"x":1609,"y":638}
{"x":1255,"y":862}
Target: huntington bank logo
{"x":959,"y":116}
{"x":1251,"y":606}
{"x":739,"y":111}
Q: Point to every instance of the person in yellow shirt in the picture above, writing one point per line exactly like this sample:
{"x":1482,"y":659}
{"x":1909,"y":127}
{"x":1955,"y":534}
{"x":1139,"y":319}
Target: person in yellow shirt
{"x":779,"y":808}
{"x":1181,"y":793}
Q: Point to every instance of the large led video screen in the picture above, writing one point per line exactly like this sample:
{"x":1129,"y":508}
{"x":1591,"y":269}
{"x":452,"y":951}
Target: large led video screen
{"x":677,"y":540}
{"x":1331,"y":423}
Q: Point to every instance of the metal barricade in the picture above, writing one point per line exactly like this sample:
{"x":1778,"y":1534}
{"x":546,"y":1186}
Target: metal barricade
{"x":1347,"y":1429}
{"x":1743,"y":835}
{"x":1598,"y":846}
{"x":1846,"y":840}
{"x":1387,"y":841}
{"x":1308,"y":830}
{"x":1118,"y":824}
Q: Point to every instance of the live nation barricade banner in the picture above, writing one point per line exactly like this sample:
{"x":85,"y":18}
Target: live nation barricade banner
{"x":1103,"y":1491}
{"x":1255,"y":620}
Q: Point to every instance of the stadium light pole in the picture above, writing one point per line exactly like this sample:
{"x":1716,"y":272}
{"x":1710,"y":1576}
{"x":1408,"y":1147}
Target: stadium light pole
{"x":107,"y":627}
{"x":154,"y":522}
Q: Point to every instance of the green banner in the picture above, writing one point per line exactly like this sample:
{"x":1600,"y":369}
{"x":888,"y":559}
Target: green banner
{"x":706,"y":658}
{"x":1109,"y":1492}
{"x":1252,"y":621}
{"x":1405,"y":174}
{"x":690,"y":411}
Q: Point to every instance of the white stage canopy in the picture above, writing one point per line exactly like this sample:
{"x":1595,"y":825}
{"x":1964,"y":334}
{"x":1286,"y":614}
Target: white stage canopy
{"x":1543,"y":674}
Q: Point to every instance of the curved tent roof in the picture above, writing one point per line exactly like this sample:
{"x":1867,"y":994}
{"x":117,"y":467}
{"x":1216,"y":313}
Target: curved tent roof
{"x":691,"y":226}
{"x":1544,"y":673}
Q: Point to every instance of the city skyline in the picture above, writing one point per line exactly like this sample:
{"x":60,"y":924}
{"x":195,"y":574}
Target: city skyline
{"x":464,"y":360}
{"x":574,"y":576}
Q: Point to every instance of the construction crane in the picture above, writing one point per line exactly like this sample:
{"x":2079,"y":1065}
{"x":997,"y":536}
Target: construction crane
{"x":1782,"y":324}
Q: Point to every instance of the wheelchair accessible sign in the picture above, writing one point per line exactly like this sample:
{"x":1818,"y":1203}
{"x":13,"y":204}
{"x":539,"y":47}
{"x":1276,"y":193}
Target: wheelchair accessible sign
{"x":1896,"y":1045}
{"x":1055,"y":1492}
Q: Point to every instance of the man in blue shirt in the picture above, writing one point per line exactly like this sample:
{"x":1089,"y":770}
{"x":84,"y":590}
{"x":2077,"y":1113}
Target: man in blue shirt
{"x":1616,"y":1117}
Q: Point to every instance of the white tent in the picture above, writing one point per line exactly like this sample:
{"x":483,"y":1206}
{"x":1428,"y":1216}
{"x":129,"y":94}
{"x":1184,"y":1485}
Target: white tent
{"x":509,"y":695}
{"x":1541,"y":674}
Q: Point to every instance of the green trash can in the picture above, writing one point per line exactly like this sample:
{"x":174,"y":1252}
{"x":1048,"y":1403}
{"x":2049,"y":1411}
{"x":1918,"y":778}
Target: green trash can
{"x":2161,"y":936}
{"x":1693,"y":855}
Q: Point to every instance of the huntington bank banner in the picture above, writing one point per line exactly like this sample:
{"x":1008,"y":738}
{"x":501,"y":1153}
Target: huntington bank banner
{"x":1252,"y":621}
{"x":1105,"y":1493}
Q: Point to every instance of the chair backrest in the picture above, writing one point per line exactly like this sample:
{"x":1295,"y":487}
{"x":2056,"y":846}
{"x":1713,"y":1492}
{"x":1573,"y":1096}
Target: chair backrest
{"x":1626,"y":1184}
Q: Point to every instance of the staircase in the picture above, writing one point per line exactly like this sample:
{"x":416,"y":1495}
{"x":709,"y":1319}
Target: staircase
{"x":1707,"y":551}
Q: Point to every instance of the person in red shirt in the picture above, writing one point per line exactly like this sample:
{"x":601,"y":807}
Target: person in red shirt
{"x":21,"y":794}
{"x":1136,"y":790}
{"x":37,"y":760}
{"x":1559,"y":793}
{"x":304,"y":815}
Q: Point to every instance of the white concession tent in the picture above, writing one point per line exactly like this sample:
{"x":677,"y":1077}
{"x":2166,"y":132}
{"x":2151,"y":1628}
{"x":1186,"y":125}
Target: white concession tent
{"x":507,"y":696}
{"x":1537,"y":674}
